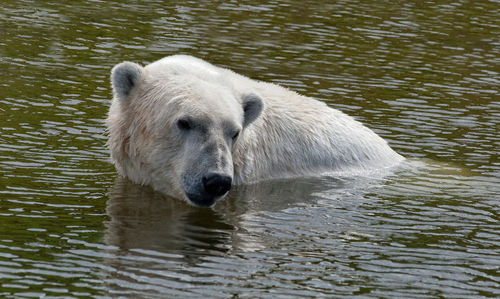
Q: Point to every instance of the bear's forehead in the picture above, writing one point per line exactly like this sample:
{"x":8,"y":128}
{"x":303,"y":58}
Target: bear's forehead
{"x":208,"y":110}
{"x":199,"y":96}
{"x":181,"y":95}
{"x":204,"y":106}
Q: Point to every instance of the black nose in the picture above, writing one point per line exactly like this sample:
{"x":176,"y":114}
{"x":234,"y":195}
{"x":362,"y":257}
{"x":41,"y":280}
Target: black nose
{"x":216,"y":184}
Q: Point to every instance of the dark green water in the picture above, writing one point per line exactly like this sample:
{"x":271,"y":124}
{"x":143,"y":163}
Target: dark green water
{"x":424,"y":75}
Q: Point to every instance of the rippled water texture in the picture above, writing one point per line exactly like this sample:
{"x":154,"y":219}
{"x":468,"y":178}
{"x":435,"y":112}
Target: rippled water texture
{"x":425,"y":76}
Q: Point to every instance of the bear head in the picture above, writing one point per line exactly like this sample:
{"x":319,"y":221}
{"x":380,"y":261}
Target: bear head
{"x":175,"y":128}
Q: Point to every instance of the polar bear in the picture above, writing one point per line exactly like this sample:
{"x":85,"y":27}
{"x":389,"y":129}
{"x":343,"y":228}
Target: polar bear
{"x":191,"y":130}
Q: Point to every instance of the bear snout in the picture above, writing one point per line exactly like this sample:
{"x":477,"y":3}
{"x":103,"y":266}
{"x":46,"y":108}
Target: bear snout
{"x":206,"y":190}
{"x":216,"y":184}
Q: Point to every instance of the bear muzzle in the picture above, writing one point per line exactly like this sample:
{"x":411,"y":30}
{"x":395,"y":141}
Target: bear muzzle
{"x":214,"y":185}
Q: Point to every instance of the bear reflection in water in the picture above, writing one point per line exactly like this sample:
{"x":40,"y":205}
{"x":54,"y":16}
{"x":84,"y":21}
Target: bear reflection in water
{"x":143,"y":218}
{"x":159,"y":244}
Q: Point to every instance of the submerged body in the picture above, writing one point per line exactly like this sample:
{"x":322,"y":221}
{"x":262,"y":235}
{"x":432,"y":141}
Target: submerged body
{"x":191,"y":129}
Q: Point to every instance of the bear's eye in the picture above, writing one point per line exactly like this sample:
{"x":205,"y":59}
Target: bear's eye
{"x":184,"y":124}
{"x":235,"y":135}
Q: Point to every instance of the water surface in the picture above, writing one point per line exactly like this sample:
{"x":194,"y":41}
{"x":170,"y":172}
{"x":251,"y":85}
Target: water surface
{"x":425,"y":76}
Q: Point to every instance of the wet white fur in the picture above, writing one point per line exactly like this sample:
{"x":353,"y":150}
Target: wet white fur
{"x":293,"y":136}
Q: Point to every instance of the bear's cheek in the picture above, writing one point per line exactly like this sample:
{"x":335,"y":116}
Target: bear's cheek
{"x":166,"y":162}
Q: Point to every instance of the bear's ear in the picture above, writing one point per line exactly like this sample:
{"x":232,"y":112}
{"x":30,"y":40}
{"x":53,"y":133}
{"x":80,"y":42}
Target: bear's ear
{"x":252,"y":107}
{"x":124,"y":77}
